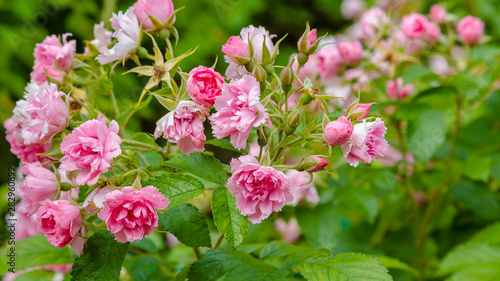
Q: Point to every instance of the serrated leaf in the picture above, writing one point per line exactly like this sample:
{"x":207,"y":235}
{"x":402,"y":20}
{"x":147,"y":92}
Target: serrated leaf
{"x":292,"y":254}
{"x":347,"y":266}
{"x":36,"y":250}
{"x":393,"y":263}
{"x":470,"y":255}
{"x":236,"y":265}
{"x":187,"y":224}
{"x":176,"y":187}
{"x":201,"y":165}
{"x":101,"y":260}
{"x":228,"y":219}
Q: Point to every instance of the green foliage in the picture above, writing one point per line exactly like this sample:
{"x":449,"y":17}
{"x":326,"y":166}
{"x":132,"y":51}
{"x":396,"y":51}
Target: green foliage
{"x":176,"y":187}
{"x":187,"y":224}
{"x":101,"y":260}
{"x":426,"y":134}
{"x":228,"y":219}
{"x":36,"y":250}
{"x":201,"y":165}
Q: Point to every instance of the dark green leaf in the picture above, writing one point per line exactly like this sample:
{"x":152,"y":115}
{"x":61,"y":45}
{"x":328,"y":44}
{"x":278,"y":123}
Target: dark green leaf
{"x":426,"y":134}
{"x":478,"y":198}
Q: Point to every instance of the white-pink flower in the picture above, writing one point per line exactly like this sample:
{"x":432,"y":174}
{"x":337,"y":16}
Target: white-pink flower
{"x":351,"y":52}
{"x":259,"y":190}
{"x":352,"y":9}
{"x":437,"y":13}
{"x":127,"y":31}
{"x":91,"y":148}
{"x":238,"y":111}
{"x":40,"y":184}
{"x":184,"y":126}
{"x":25,"y":153}
{"x":367,"y":142}
{"x":290,"y":231}
{"x":396,"y":90}
{"x":372,"y":21}
{"x":302,"y":187}
{"x":102,"y":37}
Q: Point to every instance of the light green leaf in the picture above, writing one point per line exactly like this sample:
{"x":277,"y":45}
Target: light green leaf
{"x":321,"y":226}
{"x":176,"y":187}
{"x":426,"y":134}
{"x":101,"y":260}
{"x":393,"y":263}
{"x":38,"y":275}
{"x":489,"y":234}
{"x":478,"y":198}
{"x":36,"y":250}
{"x":228,"y":219}
{"x":187,"y":224}
{"x":201,"y":165}
{"x":470,"y":255}
{"x":226,"y":144}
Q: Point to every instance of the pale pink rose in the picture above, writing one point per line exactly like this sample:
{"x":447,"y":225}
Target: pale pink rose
{"x":46,"y":113}
{"x":433,"y":32}
{"x":91,"y":148}
{"x":470,"y":29}
{"x":94,"y":201}
{"x":362,"y":107}
{"x":439,"y":65}
{"x":393,"y":156}
{"x":259,"y":190}
{"x":204,"y":85}
{"x":102,"y":37}
{"x":25,"y":224}
{"x":395,"y":89}
{"x":235,"y":47}
{"x":372,"y":21}
{"x":351,"y":52}
{"x":338,"y":132}
{"x":60,"y":222}
{"x":329,"y":62}
{"x":302,"y":187}
{"x":184,"y":126}
{"x":52,"y":55}
{"x":367,"y":142}
{"x":39,"y":184}
{"x":130,"y":214}
{"x":127,"y":31}
{"x":255,"y":149}
{"x":25,"y":153}
{"x":414,"y":25}
{"x":260,"y":38}
{"x":238,"y":111}
{"x":337,"y":88}
{"x":290,"y":231}
{"x":352,"y":9}
{"x":160,"y":9}
{"x":437,"y":13}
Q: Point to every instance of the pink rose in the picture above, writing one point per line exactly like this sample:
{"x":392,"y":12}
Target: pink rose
{"x":366,"y":142}
{"x":396,"y":90}
{"x":470,"y":29}
{"x":352,"y":9}
{"x":238,"y":111}
{"x":302,"y":188}
{"x":184,"y":126}
{"x":204,"y":85}
{"x":160,"y":9}
{"x":25,"y":224}
{"x":437,"y":13}
{"x":290,"y":231}
{"x":362,"y":107}
{"x":439,"y":65}
{"x":40,"y":184}
{"x":52,"y":55}
{"x":130,"y":214}
{"x":25,"y":153}
{"x":372,"y":20}
{"x":91,"y":149}
{"x":127,"y":31}
{"x":96,"y":198}
{"x":258,"y":190}
{"x":235,"y":47}
{"x":320,"y":164}
{"x":338,"y":132}
{"x":433,"y":32}
{"x":414,"y":25}
{"x":60,"y":222}
{"x":329,"y":62}
{"x":351,"y":52}
{"x":45,"y":111}
{"x":102,"y":37}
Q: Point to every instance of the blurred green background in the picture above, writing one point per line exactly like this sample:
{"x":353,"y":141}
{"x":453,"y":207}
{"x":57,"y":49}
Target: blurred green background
{"x":207,"y":23}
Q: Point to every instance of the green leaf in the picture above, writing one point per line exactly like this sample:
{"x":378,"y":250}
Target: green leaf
{"x":478,"y":198}
{"x":187,"y":224}
{"x":236,"y":265}
{"x":176,"y":187}
{"x":228,"y":219}
{"x":226,"y":144}
{"x":489,"y":234}
{"x":101,"y":260}
{"x":201,"y":165}
{"x":145,"y":244}
{"x":393,"y":263}
{"x":347,"y":266}
{"x":146,"y":269}
{"x":292,"y":253}
{"x":321,"y":226}
{"x":478,"y":169}
{"x":36,"y":250}
{"x":38,"y":275}
{"x":470,"y":255}
{"x":426,"y":134}
{"x":361,"y":199}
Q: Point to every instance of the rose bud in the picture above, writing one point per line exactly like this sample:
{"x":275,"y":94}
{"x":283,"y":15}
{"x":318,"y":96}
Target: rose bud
{"x":470,"y":29}
{"x":338,"y":132}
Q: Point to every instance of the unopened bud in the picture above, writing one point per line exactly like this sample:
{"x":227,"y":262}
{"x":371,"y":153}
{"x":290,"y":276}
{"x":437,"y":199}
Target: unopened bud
{"x":361,"y":111}
{"x":293,"y":121}
{"x":302,"y":58}
{"x":259,"y":73}
{"x":143,"y":53}
{"x":287,"y":79}
{"x":65,"y":186}
{"x":305,"y":97}
{"x":165,"y":34}
{"x":338,"y":132}
{"x":263,"y":133}
{"x":312,"y":164}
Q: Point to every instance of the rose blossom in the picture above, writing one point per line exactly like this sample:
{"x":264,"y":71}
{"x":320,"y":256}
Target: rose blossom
{"x":60,"y":221}
{"x":238,"y":111}
{"x":184,"y":126}
{"x":45,"y":111}
{"x":366,"y":142}
{"x":51,"y":55}
{"x":25,"y":223}
{"x":329,"y":62}
{"x":352,"y":9}
{"x":102,"y":37}
{"x":396,"y":90}
{"x":351,"y":52}
{"x":25,"y":153}
{"x":338,"y":132}
{"x":130,"y":214}
{"x":414,"y":25}
{"x":372,"y":20}
{"x":204,"y":85}
{"x":258,"y":190}
{"x":302,"y":187}
{"x":362,"y":107}
{"x":127,"y":31}
{"x":439,"y":65}
{"x":433,"y":32}
{"x":91,"y":149}
{"x":437,"y":13}
{"x":160,"y":9}
{"x":290,"y":231}
{"x":40,"y":184}
{"x":470,"y":29}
